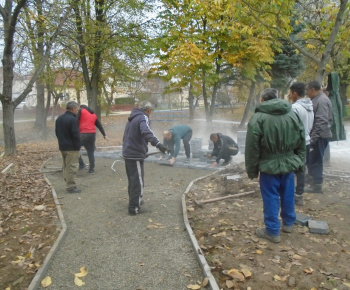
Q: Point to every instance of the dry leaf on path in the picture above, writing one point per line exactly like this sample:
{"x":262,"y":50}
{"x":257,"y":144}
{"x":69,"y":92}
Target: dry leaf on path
{"x":205,"y":281}
{"x":193,"y":287}
{"x":308,"y":270}
{"x":46,"y":281}
{"x":246,"y":273}
{"x":236,"y":274}
{"x":229,"y":284}
{"x":78,"y":282}
{"x":82,"y":273}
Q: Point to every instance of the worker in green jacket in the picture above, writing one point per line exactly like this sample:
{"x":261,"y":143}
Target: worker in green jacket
{"x":172,"y":138}
{"x":275,"y":148}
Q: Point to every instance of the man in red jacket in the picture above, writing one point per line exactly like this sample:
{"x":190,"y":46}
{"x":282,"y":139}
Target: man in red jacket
{"x":87,"y":127}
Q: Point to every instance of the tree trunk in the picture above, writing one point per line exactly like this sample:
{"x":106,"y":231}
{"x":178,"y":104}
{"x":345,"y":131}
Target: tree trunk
{"x":249,"y":103}
{"x":213,"y":101}
{"x":9,"y":128}
{"x":40,"y":119}
{"x":190,"y":102}
{"x":205,"y":98}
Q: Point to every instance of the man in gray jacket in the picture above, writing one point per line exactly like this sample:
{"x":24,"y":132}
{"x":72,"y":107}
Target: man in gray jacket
{"x":320,"y":134}
{"x":303,"y":108}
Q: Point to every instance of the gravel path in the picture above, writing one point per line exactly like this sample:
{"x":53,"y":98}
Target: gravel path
{"x":148,"y":251}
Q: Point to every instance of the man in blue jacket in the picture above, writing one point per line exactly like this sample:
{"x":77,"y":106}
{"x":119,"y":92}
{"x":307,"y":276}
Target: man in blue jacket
{"x":67,"y":132}
{"x":137,"y":135}
{"x":172,"y":139}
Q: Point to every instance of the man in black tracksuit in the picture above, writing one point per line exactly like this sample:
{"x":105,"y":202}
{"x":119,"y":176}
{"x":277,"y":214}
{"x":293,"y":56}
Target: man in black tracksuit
{"x":137,"y":135}
{"x":224,"y":148}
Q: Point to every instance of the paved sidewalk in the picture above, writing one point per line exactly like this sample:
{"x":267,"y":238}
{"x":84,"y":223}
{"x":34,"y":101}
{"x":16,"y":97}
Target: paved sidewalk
{"x":148,"y":251}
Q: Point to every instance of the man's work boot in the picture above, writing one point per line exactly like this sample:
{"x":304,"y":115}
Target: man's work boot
{"x":314,"y":188}
{"x":261,"y":233}
{"x":299,"y":199}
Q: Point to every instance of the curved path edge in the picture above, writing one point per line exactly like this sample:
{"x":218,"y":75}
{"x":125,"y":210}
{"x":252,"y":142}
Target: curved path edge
{"x":197,"y":250}
{"x":35,"y":283}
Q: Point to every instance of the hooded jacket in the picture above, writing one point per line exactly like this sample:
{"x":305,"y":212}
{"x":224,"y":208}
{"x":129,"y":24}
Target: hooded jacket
{"x":303,"y":107}
{"x":88,"y":120}
{"x":67,"y":132}
{"x":323,"y":117}
{"x":178,"y":132}
{"x":338,"y":130}
{"x":223,"y":142}
{"x":275,"y":142}
{"x":137,"y":134}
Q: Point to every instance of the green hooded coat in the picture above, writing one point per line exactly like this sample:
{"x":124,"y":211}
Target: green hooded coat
{"x":275,"y":142}
{"x":338,"y":130}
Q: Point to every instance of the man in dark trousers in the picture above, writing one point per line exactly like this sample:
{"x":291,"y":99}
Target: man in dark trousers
{"x":224,"y":148}
{"x":303,"y":108}
{"x":67,"y":132}
{"x":88,"y":122}
{"x":320,"y":134}
{"x":275,"y":149}
{"x":137,"y":135}
{"x":172,"y":139}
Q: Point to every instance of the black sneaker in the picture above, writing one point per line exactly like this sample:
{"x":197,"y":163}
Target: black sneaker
{"x":73,"y":190}
{"x":91,"y":171}
{"x":225,"y":163}
{"x":137,"y":211}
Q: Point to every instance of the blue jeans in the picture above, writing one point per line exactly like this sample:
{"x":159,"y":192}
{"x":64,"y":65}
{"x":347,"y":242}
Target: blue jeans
{"x":315,"y":166}
{"x":275,"y":190}
{"x":300,"y":177}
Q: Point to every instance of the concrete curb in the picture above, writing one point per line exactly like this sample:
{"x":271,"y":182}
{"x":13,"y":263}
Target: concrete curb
{"x":198,"y":251}
{"x":35,"y":283}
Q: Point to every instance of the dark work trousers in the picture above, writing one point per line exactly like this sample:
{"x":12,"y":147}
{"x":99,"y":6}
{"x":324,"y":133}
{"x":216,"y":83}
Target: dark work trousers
{"x":186,"y":140}
{"x":227,"y":152}
{"x":300,"y":177}
{"x":88,"y":141}
{"x":135,"y":173}
{"x":315,"y":165}
{"x":275,"y":190}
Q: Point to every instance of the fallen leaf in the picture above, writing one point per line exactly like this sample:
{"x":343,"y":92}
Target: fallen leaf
{"x":82,"y":273}
{"x":141,"y":263}
{"x":152,"y":227}
{"x":308,"y":270}
{"x":222,"y":234}
{"x":46,"y":281}
{"x":150,"y":221}
{"x":259,"y":252}
{"x":297,"y":257}
{"x":347,"y":284}
{"x":193,"y":287}
{"x":205,"y":281}
{"x":236,"y":274}
{"x":246,"y":273}
{"x":78,"y":282}
{"x":277,"y":278}
{"x":229,"y":284}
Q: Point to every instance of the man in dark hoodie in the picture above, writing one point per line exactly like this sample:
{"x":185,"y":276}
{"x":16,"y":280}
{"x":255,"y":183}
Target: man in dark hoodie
{"x":224,"y":148}
{"x":275,"y":148}
{"x":137,"y":135}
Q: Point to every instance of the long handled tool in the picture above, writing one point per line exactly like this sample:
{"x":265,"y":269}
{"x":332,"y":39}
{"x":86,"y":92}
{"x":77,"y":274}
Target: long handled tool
{"x":201,"y":202}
